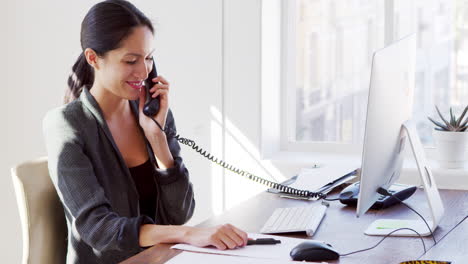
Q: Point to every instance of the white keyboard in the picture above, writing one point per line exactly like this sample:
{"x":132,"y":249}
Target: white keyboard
{"x":295,"y":219}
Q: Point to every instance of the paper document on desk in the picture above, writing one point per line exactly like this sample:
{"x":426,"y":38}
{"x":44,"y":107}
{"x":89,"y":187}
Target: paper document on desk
{"x":313,"y":179}
{"x":190,"y":257}
{"x":277,"y":251}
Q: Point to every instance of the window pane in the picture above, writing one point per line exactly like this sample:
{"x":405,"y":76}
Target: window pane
{"x":441,"y":65}
{"x":334,"y":45}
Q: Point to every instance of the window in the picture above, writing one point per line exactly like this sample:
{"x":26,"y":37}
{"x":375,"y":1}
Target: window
{"x":330,"y":45}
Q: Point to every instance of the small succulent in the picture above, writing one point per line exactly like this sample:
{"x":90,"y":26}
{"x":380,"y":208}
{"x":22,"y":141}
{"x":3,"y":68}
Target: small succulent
{"x":454,"y":125}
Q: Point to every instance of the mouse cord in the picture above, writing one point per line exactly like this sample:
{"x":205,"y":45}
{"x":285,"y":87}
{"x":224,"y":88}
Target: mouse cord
{"x":378,"y":243}
{"x":422,"y":240}
{"x":250,"y":176}
{"x":386,"y":193}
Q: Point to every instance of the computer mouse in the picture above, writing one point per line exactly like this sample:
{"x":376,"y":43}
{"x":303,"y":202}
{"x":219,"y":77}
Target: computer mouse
{"x":313,"y":251}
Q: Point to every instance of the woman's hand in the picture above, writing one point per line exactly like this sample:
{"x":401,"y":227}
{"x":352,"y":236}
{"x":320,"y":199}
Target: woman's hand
{"x":222,"y":237}
{"x":160,"y":89}
{"x":154,"y":134}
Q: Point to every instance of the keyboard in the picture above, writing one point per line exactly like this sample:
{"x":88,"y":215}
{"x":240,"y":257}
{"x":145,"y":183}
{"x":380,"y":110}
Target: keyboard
{"x":295,"y":219}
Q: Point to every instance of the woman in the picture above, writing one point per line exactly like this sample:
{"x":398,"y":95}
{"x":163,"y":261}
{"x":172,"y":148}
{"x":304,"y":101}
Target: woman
{"x":122,"y":182}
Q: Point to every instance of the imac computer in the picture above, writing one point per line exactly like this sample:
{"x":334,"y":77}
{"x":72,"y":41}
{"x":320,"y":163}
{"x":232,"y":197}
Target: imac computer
{"x":388,"y":131}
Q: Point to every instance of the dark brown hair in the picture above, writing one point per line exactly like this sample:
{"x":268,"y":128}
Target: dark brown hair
{"x":104,"y":27}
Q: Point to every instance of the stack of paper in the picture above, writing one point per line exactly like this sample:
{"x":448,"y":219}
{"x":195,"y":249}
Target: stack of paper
{"x":277,"y":251}
{"x":313,"y":179}
{"x":189,"y":257}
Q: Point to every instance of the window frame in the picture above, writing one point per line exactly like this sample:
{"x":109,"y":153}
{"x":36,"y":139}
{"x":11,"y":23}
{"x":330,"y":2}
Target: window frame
{"x":276,"y":138}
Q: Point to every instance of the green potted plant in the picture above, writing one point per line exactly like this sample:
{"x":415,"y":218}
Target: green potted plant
{"x":451,"y":137}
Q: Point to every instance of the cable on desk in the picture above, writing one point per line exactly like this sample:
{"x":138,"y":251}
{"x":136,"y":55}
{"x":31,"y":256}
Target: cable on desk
{"x":463,"y":220}
{"x":453,"y":228}
{"x":378,"y":243}
{"x":387,"y":193}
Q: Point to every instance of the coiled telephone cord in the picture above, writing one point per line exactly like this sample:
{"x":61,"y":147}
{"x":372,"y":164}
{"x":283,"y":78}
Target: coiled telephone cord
{"x":282,"y":188}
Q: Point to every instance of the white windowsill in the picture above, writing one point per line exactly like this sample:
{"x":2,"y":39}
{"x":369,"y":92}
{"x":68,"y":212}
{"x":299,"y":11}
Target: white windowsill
{"x":455,"y":179}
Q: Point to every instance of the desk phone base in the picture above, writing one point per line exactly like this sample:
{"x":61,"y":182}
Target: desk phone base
{"x":349,"y":195}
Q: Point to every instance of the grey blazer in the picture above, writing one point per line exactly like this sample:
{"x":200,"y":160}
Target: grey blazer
{"x":95,"y":186}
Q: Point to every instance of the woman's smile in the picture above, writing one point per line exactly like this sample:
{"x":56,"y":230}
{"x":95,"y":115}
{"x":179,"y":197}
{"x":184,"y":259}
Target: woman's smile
{"x":137,"y":85}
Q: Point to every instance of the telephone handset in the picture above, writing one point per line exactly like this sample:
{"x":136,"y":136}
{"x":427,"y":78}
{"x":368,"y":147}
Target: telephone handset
{"x":150,"y":109}
{"x":151,"y":106}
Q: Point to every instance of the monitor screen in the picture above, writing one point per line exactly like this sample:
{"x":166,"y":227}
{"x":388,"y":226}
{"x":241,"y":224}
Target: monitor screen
{"x":389,"y":106}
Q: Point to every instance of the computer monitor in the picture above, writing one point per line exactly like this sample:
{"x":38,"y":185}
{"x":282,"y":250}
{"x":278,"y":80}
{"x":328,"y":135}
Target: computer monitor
{"x":387,"y":132}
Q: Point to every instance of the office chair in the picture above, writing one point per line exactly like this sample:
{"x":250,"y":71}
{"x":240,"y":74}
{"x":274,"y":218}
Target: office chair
{"x":41,"y":212}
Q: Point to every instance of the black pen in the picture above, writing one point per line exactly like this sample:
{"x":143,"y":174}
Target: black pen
{"x":263,"y":241}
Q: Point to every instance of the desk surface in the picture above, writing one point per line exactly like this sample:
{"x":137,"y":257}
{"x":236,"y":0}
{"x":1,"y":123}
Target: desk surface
{"x":344,"y":231}
{"x":453,"y":247}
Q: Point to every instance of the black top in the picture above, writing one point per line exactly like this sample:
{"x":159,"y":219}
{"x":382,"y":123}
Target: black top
{"x":143,"y":176}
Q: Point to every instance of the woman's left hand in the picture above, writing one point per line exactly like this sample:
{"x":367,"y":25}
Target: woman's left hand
{"x":160,"y":89}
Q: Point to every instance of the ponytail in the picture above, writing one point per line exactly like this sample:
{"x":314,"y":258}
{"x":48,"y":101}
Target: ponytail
{"x":82,"y":77}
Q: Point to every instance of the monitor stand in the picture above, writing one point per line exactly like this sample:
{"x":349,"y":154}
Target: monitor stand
{"x":383,"y":227}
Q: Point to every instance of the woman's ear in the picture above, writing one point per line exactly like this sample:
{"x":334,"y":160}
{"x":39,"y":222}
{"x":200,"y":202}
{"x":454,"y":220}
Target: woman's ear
{"x":92,"y":58}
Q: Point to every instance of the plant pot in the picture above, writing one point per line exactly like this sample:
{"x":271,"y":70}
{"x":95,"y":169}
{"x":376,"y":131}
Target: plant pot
{"x":452,"y":148}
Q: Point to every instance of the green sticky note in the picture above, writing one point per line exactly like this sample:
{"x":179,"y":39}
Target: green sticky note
{"x":392,"y":224}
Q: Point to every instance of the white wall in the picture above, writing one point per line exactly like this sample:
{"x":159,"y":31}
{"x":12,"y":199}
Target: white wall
{"x":39,"y":48}
{"x":40,"y":42}
{"x":208,"y":49}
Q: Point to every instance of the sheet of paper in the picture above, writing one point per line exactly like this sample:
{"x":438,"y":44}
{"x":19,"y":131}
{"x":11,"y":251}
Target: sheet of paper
{"x":190,"y":257}
{"x":312,"y":179}
{"x":278,"y":251}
